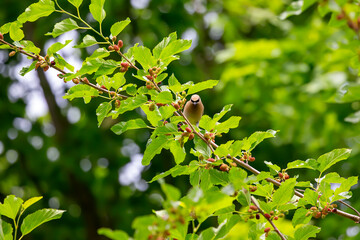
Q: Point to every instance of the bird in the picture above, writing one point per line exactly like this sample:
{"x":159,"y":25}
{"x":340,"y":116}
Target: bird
{"x":194,"y":109}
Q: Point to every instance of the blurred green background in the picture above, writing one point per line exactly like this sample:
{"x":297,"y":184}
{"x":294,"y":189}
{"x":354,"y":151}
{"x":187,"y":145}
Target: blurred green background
{"x":286,"y":75}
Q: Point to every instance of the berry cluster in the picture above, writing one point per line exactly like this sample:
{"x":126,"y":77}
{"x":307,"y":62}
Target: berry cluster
{"x":282,"y":177}
{"x":321,"y":213}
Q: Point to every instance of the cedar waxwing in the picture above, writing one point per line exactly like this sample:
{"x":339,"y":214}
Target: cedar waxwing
{"x":194,"y":109}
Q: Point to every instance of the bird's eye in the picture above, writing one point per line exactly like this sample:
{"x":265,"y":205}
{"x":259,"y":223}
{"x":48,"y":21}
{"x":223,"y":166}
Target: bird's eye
{"x":196,"y":101}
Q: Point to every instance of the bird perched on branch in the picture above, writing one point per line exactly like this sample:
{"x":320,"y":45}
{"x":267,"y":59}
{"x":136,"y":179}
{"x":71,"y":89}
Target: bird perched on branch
{"x":194,"y":109}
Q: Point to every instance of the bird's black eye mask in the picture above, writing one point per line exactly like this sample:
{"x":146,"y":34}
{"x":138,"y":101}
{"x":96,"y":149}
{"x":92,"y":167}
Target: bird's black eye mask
{"x":196,"y":101}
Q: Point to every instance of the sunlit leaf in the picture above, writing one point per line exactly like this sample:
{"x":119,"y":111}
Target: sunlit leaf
{"x":62,"y":27}
{"x":122,"y":127}
{"x":117,"y":27}
{"x":39,"y":217}
{"x":113,"y":234}
{"x":11,"y":206}
{"x":37,"y":10}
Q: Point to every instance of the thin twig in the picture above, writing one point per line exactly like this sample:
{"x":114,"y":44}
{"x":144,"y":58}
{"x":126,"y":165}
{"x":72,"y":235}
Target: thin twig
{"x":253,"y":200}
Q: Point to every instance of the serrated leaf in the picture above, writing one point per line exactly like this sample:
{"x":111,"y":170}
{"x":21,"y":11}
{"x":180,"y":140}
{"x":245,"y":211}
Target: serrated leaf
{"x":285,"y":192}
{"x":97,"y":10}
{"x":117,"y":27}
{"x":62,"y":27}
{"x":167,"y":111}
{"x":5,"y":230}
{"x":76,"y":3}
{"x":232,"y":122}
{"x":122,"y":127}
{"x":328,"y":159}
{"x":81,"y":91}
{"x":218,"y":177}
{"x":30,"y":202}
{"x":88,"y":41}
{"x":39,"y":217}
{"x":258,"y":137}
{"x":144,"y":57}
{"x":165,"y":174}
{"x":202,"y":147}
{"x":37,"y":10}
{"x":309,"y":163}
{"x":202,"y":86}
{"x":57,"y":47}
{"x":154,"y":117}
{"x":113,"y":234}
{"x":16,"y":33}
{"x":310,"y":196}
{"x":178,"y":151}
{"x":61,"y":63}
{"x":11,"y":206}
{"x":29,"y":46}
{"x":300,"y":217}
{"x":164,"y":97}
{"x":165,"y":42}
{"x":4,"y":29}
{"x":106,"y":68}
{"x":223,"y":149}
{"x":25,"y":70}
{"x":272,"y":166}
{"x":175,"y":85}
{"x":154,"y":148}
{"x":306,"y":232}
{"x":102,"y":111}
{"x":224,"y":228}
{"x":173,"y":48}
{"x":237,"y":177}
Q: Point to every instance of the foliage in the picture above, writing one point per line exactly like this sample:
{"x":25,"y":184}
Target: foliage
{"x":136,"y":88}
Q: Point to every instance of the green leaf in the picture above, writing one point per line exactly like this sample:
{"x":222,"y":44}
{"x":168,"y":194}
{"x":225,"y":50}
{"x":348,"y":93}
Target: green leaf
{"x":29,"y":46}
{"x":171,"y":192}
{"x":237,"y":177}
{"x":16,"y":33}
{"x":258,"y":137}
{"x":62,"y":27}
{"x":76,"y":3}
{"x":167,"y":111}
{"x":175,"y":47}
{"x":88,"y":41}
{"x":122,"y":127}
{"x":81,"y":91}
{"x":225,"y":227}
{"x":11,"y":206}
{"x":295,"y":8}
{"x":102,"y":111}
{"x":306,"y":232}
{"x":202,"y":86}
{"x":5,"y":230}
{"x":205,"y":182}
{"x":310,"y":196}
{"x":114,"y":235}
{"x":164,"y":97}
{"x":154,"y":148}
{"x":273,"y":167}
{"x":218,"y":177}
{"x":223,"y":149}
{"x":37,"y":10}
{"x":175,"y":85}
{"x":30,"y":202}
{"x":117,"y":80}
{"x":178,"y":151}
{"x":61,"y":63}
{"x":4,"y":29}
{"x":202,"y":147}
{"x":165,"y":42}
{"x":106,"y":68}
{"x":300,"y":217}
{"x":57,"y":47}
{"x":144,"y":57}
{"x":328,"y":159}
{"x":165,"y":174}
{"x":285,"y":192}
{"x":232,"y":122}
{"x":97,"y":10}
{"x":39,"y":217}
{"x":25,"y":70}
{"x":309,"y":163}
{"x":117,"y":27}
{"x":154,"y":117}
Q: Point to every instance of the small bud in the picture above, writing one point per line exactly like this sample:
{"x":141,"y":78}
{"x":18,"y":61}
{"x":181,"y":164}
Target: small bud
{"x":152,"y":107}
{"x":116,"y":48}
{"x":267,"y":216}
{"x":188,"y":129}
{"x":252,"y":188}
{"x":112,"y":93}
{"x":120,"y":44}
{"x":276,"y":218}
{"x":334,"y":210}
{"x":122,"y":69}
{"x":211,"y":160}
{"x":165,"y":122}
{"x":257,"y":216}
{"x":233,"y":164}
{"x":318,"y":215}
{"x":185,"y":134}
{"x":117,"y":103}
{"x":281,"y":175}
{"x":44,"y":64}
{"x":286,"y":176}
{"x":160,"y":104}
{"x":149,"y":77}
{"x":149,"y":86}
{"x":52,"y":63}
{"x":224,"y":167}
{"x":103,"y":87}
{"x":251,"y":159}
{"x":191,"y":136}
{"x":176,"y":106}
{"x":75,"y":80}
{"x":46,"y":68}
{"x":12,"y":53}
{"x":113,"y":38}
{"x":271,"y":212}
{"x":1,"y":36}
{"x":207,"y":136}
{"x":340,"y":16}
{"x":313,"y":208}
{"x":107,"y":38}
{"x":308,"y":214}
{"x":110,"y":48}
{"x":267,"y":229}
{"x":85,"y":80}
{"x":253,"y":207}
